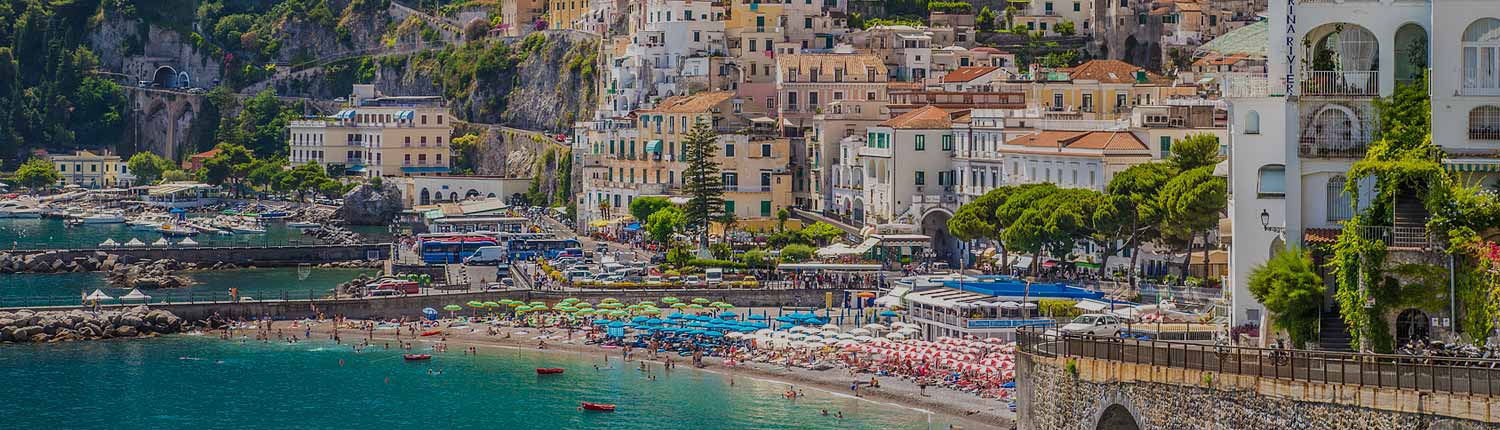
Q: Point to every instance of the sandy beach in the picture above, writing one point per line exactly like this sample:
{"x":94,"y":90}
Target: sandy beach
{"x":972,"y":412}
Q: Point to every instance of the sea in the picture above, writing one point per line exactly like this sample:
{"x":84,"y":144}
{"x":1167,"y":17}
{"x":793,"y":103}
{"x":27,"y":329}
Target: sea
{"x":201,"y":382}
{"x":53,"y":233}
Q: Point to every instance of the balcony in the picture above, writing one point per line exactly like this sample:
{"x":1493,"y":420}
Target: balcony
{"x":1397,"y":237}
{"x":1324,"y":147}
{"x":1341,"y":84}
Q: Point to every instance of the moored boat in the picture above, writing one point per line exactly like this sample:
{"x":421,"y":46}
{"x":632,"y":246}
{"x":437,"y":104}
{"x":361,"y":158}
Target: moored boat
{"x":169,"y":229}
{"x":601,"y":407}
{"x":303,"y":224}
{"x":432,"y":333}
{"x":549,"y":370}
{"x":416,"y":357}
{"x":103,"y":218}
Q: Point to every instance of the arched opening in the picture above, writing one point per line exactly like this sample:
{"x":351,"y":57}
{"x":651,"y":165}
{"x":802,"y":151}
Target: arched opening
{"x":1481,"y":43}
{"x":453,"y":196}
{"x":857,"y":216}
{"x":1271,"y":181}
{"x":164,"y":77}
{"x":490,"y":196}
{"x":1117,"y":417}
{"x":471,"y":194}
{"x":1342,"y":59}
{"x":1411,"y":324}
{"x":1411,"y":53}
{"x":424,"y":198}
{"x":1252,"y":122}
{"x":1335,"y":130}
{"x":944,"y":245}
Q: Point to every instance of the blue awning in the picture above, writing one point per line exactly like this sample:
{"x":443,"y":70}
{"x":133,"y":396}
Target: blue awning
{"x":355,"y":168}
{"x":406,"y":114}
{"x":654,"y":146}
{"x":427,"y":169}
{"x":633,"y":227}
{"x":344,"y":114}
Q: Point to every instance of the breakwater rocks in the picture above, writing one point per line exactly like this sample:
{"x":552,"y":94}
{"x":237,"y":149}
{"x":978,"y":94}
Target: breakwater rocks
{"x":151,"y":274}
{"x":333,"y":235}
{"x":50,"y":262}
{"x":58,"y":326}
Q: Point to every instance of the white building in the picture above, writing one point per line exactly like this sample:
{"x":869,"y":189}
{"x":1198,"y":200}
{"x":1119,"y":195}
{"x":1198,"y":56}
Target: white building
{"x":1296,"y":132}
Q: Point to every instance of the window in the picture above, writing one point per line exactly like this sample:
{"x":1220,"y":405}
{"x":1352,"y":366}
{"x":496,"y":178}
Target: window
{"x":1166,"y":147}
{"x":1481,"y":45}
{"x":921,"y":178}
{"x":697,"y":36}
{"x":1057,"y":101}
{"x":1484,"y":123}
{"x":921,"y":146}
{"x":1077,"y":7}
{"x":1252,"y":123}
{"x":1272,"y":181}
{"x":1088,"y":102}
{"x":1340,"y":203}
{"x":424,"y":119}
{"x":729,"y":150}
{"x":440,"y":119}
{"x":807,"y":22}
{"x":765,"y":150}
{"x":947,"y":142}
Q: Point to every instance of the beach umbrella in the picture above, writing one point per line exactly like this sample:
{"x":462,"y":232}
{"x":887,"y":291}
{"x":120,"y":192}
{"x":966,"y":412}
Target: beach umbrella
{"x":786,"y":319}
{"x":860,"y":332}
{"x":874,"y":327}
{"x":814,"y":321}
{"x":680,"y":305}
{"x":541,"y":307}
{"x":633,"y":307}
{"x":188,"y":241}
{"x":648,"y":303}
{"x":728,"y":314}
{"x":570,"y":300}
{"x":535,"y":304}
{"x":785,"y":327}
{"x":523,"y":308}
{"x":652,"y":311}
{"x":609,"y":300}
{"x":600,"y":322}
{"x":452,"y":308}
{"x":722,"y":305}
{"x":430,"y":313}
{"x":491,"y":304}
{"x":584,"y":305}
{"x":160,"y":242}
{"x":475,"y":304}
{"x":889,"y":314}
{"x":670,"y":300}
{"x":108,"y":243}
{"x":865,"y":294}
{"x":639,"y":319}
{"x":828,"y":333}
{"x":830,"y":327}
{"x":701,"y":301}
{"x":863,"y":338}
{"x":695,"y":306}
{"x":676,"y":316}
{"x":756,"y":317}
{"x":135,"y":242}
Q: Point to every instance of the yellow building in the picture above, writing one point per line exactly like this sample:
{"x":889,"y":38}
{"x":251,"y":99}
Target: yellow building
{"x":89,"y":170}
{"x":377,"y":136}
{"x":1101,"y":90}
{"x":562,"y":14}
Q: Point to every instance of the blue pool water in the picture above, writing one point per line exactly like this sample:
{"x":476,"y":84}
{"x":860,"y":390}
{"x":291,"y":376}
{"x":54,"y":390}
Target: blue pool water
{"x":146,"y":384}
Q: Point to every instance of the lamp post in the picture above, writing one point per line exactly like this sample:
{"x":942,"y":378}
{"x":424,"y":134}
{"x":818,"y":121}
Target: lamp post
{"x":1265,"y":222}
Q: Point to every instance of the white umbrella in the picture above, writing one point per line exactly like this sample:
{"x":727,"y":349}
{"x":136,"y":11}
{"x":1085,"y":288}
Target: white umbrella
{"x":765,"y":332}
{"x":108,"y":243}
{"x":863,"y":338}
{"x":813,"y":339}
{"x":895,"y":336}
{"x":873,"y":327}
{"x":830,"y":341}
{"x":798,"y":344}
{"x":843,"y":336}
{"x":98,"y":295}
{"x":135,"y":242}
{"x":860,"y":332}
{"x":796,"y":336}
{"x":161,"y":242}
{"x":135,"y":294}
{"x":830,"y":327}
{"x":829,"y":333}
{"x":188,"y":242}
{"x":733,"y":335}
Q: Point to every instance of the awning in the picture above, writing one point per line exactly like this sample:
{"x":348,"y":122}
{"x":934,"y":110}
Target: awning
{"x":429,"y":169}
{"x":1475,"y":165}
{"x":654,"y":146}
{"x":406,"y":114}
{"x":344,"y":114}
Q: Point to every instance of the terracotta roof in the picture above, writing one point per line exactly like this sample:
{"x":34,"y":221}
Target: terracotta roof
{"x":1113,"y":72}
{"x":989,"y":50}
{"x":693,"y":103}
{"x":1187,"y":6}
{"x":854,"y":66}
{"x":1111,"y":140}
{"x":966,"y":74}
{"x":925,"y":117}
{"x":1320,"y":236}
{"x":206,"y":154}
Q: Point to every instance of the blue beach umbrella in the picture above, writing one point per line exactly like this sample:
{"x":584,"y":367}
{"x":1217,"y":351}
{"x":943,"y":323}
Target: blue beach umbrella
{"x":786,"y":318}
{"x":756,"y":317}
{"x":601,"y":322}
{"x":713,"y":334}
{"x":784,"y":327}
{"x":430,"y":313}
{"x":891,"y":314}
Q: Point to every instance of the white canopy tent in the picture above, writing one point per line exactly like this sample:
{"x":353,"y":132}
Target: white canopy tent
{"x":98,"y":295}
{"x":161,"y":242}
{"x":135,"y":242}
{"x":108,"y":243}
{"x":135,"y":295}
{"x":188,"y":242}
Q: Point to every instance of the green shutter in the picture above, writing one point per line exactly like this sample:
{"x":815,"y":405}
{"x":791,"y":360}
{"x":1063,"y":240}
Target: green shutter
{"x":765,"y":208}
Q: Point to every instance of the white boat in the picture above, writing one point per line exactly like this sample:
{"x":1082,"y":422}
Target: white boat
{"x":169,"y":229}
{"x":248,"y":229}
{"x":303,"y":224}
{"x":18,"y":209}
{"x":104,"y":218}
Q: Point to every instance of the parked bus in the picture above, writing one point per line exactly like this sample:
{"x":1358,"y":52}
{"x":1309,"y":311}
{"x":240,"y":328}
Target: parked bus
{"x":528,"y":249}
{"x":451,"y":248}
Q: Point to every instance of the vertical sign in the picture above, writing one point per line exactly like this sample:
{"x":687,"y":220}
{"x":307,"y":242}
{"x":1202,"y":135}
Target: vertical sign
{"x":1291,"y":48}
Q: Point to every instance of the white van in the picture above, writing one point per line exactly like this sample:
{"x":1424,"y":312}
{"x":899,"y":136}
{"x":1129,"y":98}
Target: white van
{"x":713,"y":276}
{"x":579,"y":276}
{"x":486,"y":255}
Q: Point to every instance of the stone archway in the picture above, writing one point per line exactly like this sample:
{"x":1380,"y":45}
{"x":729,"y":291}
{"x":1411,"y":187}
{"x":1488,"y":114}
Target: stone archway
{"x":1116,"y":417}
{"x":165,"y":77}
{"x":1411,"y":324}
{"x":471,"y":194}
{"x":935,"y":225}
{"x":857,"y":216}
{"x":453,"y":196}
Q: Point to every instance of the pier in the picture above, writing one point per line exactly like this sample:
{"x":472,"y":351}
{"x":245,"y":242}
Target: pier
{"x":241,"y":255}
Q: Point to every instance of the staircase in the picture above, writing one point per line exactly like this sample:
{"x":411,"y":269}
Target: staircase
{"x":1409,"y":223}
{"x":1333,"y":335}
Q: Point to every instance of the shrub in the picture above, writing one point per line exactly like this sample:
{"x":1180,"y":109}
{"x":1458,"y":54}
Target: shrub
{"x":796,"y":252}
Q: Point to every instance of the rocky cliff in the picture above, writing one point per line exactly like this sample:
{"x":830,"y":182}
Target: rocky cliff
{"x":370,"y":205}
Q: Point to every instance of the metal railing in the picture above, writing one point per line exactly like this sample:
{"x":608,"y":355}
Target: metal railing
{"x":1244,"y":85}
{"x":1467,"y":376}
{"x":1340,"y":83}
{"x":1396,"y":237}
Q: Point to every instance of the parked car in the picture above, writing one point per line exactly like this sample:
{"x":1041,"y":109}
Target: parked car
{"x":1093,"y":325}
{"x":579,"y":275}
{"x":693,"y":280}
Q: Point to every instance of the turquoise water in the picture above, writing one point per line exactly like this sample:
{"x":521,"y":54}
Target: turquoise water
{"x":268,"y":283}
{"x":143,"y":384}
{"x":52,"y":233}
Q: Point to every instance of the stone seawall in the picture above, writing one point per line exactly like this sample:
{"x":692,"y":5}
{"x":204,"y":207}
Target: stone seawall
{"x":411,"y":306}
{"x":1091,"y":394}
{"x":268,"y":256}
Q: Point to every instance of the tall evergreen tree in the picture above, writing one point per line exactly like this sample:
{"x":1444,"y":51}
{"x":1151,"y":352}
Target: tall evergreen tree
{"x":701,"y":180}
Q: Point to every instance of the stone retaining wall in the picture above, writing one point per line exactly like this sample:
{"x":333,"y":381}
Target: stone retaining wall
{"x":1051,"y":397}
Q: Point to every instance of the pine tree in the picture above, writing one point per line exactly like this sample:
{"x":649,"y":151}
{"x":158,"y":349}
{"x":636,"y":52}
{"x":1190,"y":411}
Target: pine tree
{"x":701,"y":180}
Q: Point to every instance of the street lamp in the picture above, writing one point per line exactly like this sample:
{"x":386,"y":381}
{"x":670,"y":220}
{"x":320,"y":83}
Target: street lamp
{"x":1265,"y":222}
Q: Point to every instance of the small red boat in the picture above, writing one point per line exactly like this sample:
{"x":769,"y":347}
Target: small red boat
{"x":549,"y":370}
{"x":432,"y":333}
{"x":417,"y":357}
{"x":601,"y":407}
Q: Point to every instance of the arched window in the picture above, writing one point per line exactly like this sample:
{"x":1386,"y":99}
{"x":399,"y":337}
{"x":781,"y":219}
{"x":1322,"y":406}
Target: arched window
{"x":1482,"y":57}
{"x":1252,"y":122}
{"x":453,"y":196}
{"x":1484,"y":123}
{"x":1272,"y":181}
{"x":426,"y":198}
{"x":1340,"y":204}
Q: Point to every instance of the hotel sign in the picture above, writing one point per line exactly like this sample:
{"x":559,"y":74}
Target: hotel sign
{"x":1009,"y":323}
{"x":1291,"y":48}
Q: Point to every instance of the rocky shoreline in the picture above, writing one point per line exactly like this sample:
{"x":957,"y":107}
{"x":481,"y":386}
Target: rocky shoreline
{"x":127,"y":268}
{"x":27,"y":326}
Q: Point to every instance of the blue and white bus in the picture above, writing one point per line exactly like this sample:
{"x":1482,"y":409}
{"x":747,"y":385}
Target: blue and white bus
{"x":452,"y":248}
{"x":529,"y":249}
